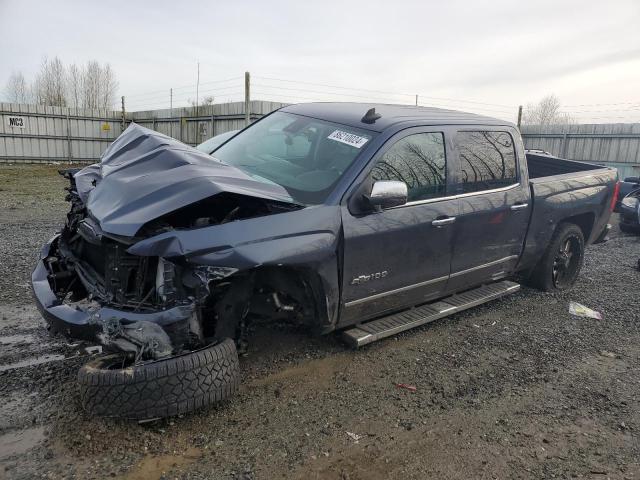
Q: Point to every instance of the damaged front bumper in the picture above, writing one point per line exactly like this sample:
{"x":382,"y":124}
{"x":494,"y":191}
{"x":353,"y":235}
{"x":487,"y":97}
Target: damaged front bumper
{"x":92,"y":321}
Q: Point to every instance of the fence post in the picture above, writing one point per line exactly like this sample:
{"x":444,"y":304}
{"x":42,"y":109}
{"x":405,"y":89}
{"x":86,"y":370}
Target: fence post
{"x":416,"y":100}
{"x":69,"y":155}
{"x":565,"y":145}
{"x":123,"y":114}
{"x":247,"y":98}
{"x":171,"y":111}
{"x":519,"y":116}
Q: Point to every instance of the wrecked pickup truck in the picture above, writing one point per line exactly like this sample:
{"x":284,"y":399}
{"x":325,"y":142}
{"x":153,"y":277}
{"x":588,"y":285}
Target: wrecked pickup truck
{"x":368,"y":219}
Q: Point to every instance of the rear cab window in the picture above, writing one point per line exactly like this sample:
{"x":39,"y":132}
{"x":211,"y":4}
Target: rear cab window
{"x":487,"y":160}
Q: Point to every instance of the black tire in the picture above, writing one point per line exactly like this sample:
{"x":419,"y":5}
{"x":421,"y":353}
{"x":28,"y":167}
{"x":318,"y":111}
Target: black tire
{"x":545,"y":275}
{"x":161,"y":388}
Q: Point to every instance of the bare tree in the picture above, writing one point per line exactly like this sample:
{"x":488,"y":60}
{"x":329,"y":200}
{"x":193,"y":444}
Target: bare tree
{"x":205,"y":101}
{"x":17,"y":90}
{"x":89,"y":86}
{"x":108,"y":86}
{"x":546,"y":112}
{"x":74,"y":85}
{"x":50,"y":83}
{"x":98,"y":85}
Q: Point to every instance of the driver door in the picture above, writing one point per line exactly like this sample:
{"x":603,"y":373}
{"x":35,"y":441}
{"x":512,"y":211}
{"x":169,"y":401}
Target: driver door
{"x":401,"y":256}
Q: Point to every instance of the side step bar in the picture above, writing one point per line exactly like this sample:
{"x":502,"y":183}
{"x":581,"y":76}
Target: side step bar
{"x":373,"y":330}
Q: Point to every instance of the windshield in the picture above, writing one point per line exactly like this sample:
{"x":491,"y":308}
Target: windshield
{"x":304,"y":155}
{"x":214,"y":142}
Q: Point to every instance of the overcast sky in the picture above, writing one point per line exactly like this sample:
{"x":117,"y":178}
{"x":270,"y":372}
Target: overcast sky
{"x":499,"y":52}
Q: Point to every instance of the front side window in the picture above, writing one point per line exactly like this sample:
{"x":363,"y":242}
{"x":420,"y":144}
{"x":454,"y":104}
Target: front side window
{"x":419,"y":161}
{"x":487,"y":160}
{"x":306,"y":156}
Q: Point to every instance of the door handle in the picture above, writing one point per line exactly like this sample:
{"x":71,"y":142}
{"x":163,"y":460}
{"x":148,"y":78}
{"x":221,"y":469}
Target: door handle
{"x":440,"y":222}
{"x":519,"y":206}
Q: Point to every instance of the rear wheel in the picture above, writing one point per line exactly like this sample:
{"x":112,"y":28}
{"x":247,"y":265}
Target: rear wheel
{"x":111,"y":388}
{"x":559,"y":267}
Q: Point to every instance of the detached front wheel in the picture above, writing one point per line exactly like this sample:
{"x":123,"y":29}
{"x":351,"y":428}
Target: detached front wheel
{"x":161,"y":388}
{"x":559,"y":267}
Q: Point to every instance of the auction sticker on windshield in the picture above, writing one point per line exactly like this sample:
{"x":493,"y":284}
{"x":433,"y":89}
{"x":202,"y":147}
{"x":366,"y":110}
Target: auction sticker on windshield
{"x":348,"y":138}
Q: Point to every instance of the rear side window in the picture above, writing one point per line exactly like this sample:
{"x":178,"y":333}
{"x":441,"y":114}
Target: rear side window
{"x":487,"y":160}
{"x":417,"y":160}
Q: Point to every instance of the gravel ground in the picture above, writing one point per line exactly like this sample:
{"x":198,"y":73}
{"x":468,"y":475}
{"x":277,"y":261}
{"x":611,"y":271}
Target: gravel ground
{"x":514,"y":389}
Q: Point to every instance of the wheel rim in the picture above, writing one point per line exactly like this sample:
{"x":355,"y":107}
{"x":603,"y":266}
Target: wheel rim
{"x":567,"y":262}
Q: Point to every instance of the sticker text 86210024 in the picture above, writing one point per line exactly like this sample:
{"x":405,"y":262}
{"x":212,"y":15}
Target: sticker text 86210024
{"x":348,"y":138}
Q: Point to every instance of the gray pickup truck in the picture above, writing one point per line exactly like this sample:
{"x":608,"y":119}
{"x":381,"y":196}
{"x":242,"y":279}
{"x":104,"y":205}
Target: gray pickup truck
{"x":367,"y":219}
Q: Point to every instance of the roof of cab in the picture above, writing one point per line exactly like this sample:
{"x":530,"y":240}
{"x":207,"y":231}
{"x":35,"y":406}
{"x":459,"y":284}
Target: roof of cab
{"x":351,"y":114}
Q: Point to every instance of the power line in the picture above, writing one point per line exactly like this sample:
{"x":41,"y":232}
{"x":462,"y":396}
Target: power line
{"x":354,"y":95}
{"x":165,"y":104}
{"x":602,"y":104}
{"x":192,"y":86}
{"x":184,"y":94}
{"x":384,"y":92}
{"x":603,"y":111}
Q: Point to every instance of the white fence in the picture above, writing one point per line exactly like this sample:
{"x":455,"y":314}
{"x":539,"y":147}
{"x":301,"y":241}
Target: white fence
{"x":38,"y":134}
{"x":611,"y":144}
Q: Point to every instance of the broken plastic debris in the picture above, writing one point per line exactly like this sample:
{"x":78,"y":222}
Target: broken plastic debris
{"x":411,"y":388}
{"x":354,"y":436}
{"x":581,"y":311}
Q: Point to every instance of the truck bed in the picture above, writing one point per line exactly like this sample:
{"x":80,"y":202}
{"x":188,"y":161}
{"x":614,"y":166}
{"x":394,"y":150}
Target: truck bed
{"x":544,"y":165}
{"x":565,"y":190}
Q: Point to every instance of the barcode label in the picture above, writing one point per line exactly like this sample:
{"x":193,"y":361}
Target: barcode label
{"x":348,"y":138}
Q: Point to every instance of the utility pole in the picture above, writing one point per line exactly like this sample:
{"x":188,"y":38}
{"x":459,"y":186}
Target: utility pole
{"x":198,"y":89}
{"x":519,"y":116}
{"x":123,"y":114}
{"x":247,"y":98}
{"x":171,"y":111}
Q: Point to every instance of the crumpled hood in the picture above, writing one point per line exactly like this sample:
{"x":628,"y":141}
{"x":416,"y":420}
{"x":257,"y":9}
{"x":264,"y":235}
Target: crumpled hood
{"x":144,"y":174}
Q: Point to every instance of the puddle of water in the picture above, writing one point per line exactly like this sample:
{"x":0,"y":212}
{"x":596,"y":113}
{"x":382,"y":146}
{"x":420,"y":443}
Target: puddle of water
{"x":11,"y":339}
{"x":31,"y":361}
{"x":16,"y":443}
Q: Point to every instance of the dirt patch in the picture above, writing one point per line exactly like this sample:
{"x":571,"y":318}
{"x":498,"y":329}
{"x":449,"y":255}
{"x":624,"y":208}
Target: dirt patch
{"x":161,"y":465}
{"x":21,"y":441}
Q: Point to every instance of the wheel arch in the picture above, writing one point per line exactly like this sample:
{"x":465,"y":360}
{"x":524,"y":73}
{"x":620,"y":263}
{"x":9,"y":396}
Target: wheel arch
{"x":585,"y":221}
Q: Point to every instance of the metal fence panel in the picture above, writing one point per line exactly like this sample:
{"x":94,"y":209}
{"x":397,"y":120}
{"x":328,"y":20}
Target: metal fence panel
{"x":612,"y":144}
{"x":57,"y":134}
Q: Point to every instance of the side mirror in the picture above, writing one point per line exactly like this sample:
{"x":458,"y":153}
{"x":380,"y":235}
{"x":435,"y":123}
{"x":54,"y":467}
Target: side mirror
{"x":632,"y":179}
{"x":387,"y":194}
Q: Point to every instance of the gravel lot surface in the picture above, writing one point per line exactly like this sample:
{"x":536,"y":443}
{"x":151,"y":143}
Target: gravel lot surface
{"x":517,"y":388}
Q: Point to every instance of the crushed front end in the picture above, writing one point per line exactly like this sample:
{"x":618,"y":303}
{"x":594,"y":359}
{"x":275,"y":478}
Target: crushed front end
{"x":87,"y":286}
{"x":166,"y":250}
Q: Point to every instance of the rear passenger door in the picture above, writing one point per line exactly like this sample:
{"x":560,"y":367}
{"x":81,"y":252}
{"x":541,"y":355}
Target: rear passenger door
{"x":494,"y":197}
